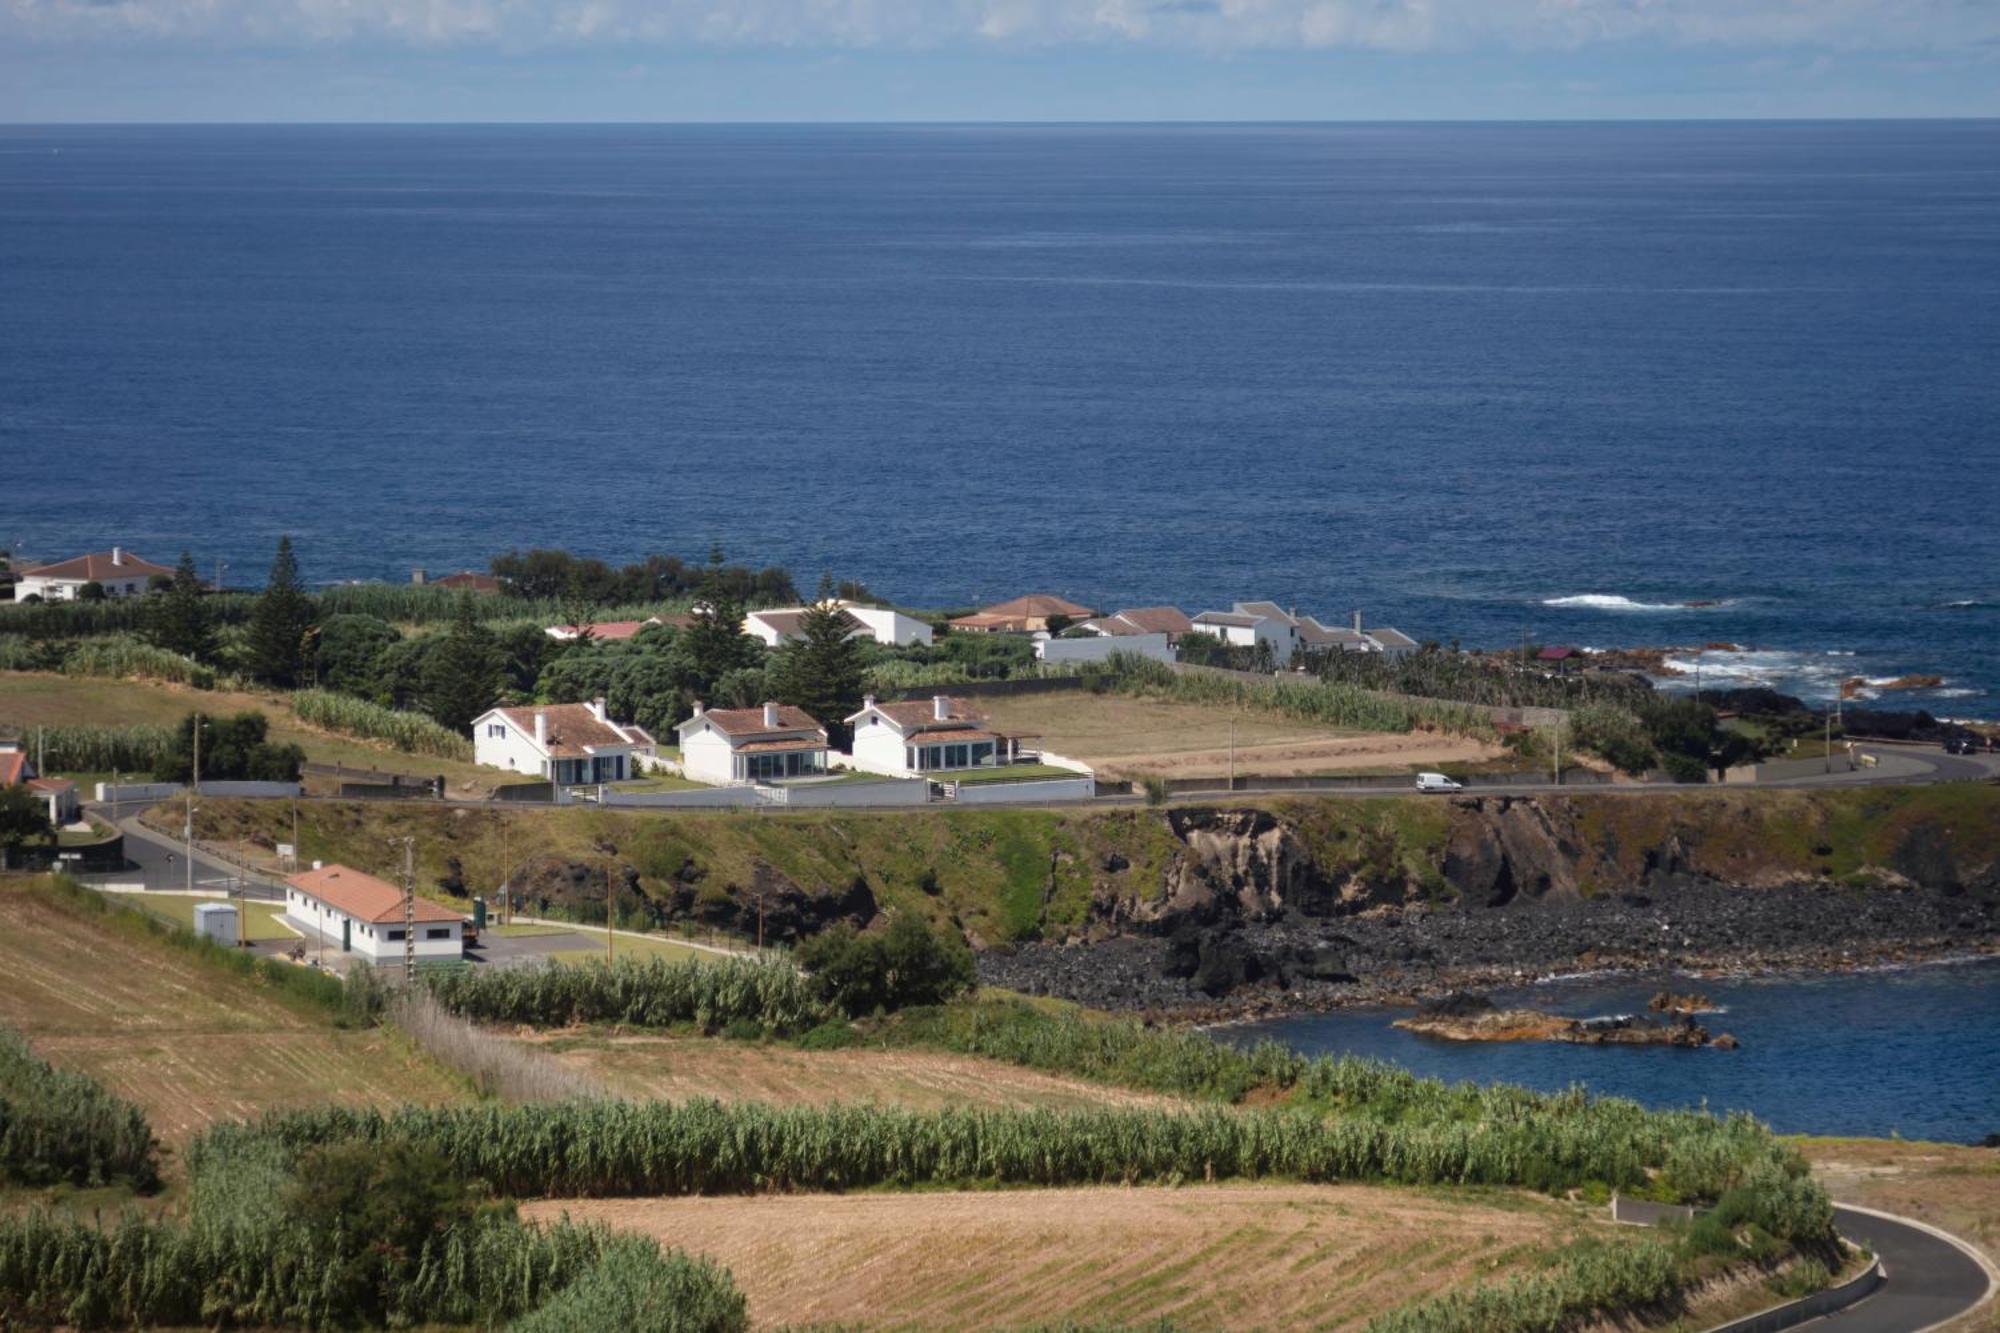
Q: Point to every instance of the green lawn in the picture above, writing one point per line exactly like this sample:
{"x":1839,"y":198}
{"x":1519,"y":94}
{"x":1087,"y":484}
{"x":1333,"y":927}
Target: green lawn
{"x":626,"y":946}
{"x":260,"y":920}
{"x":657,"y":782}
{"x":523,"y":930}
{"x":1005,"y":773}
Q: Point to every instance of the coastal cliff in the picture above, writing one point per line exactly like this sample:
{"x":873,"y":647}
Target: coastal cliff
{"x":1290,"y":902}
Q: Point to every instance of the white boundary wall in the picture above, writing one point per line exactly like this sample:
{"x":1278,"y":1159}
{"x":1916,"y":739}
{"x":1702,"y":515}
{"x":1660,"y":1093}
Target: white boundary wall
{"x":1027,"y":793}
{"x":160,"y":791}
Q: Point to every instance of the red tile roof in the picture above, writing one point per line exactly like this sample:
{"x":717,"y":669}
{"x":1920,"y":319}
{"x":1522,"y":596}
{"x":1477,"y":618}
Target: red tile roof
{"x":97,"y":565}
{"x":921,"y":713}
{"x":1037,"y":606}
{"x":1156,"y":619}
{"x":51,"y":784}
{"x":982,"y":620}
{"x":13,"y":767}
{"x":469,"y":581}
{"x":804,"y":745}
{"x":750,"y":721}
{"x":789,"y":622}
{"x":364,"y":897}
{"x":954,"y":737}
{"x":573,"y":730}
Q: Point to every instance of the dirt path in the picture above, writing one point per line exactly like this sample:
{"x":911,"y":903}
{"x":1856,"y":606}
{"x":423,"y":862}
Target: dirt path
{"x":1222,"y":1256}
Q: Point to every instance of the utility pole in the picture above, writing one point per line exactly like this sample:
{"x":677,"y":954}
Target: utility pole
{"x":409,"y":910}
{"x":194,"y":785}
{"x":610,"y":917}
{"x":1232,"y":752}
{"x":759,"y":895}
{"x":1559,"y":748}
{"x":1829,"y":740}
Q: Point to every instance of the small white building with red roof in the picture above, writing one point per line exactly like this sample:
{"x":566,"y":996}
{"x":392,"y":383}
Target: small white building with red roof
{"x":568,"y":744}
{"x":736,"y":745}
{"x":119,"y":572}
{"x":339,"y":907}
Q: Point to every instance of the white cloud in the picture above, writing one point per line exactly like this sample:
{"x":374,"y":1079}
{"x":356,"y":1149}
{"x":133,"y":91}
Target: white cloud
{"x":1207,"y":25}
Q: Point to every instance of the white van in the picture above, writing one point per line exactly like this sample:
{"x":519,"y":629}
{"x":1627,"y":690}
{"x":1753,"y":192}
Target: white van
{"x":1437,"y":782}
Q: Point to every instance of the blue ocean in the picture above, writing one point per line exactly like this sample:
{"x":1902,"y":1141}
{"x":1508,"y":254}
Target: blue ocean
{"x":1914,"y":1052}
{"x":1634,"y":384}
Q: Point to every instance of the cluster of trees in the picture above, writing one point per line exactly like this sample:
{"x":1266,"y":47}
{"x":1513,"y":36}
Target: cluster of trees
{"x":233,"y":749}
{"x":545,"y":574}
{"x":881,"y":971}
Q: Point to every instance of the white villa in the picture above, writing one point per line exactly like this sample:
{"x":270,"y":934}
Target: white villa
{"x":924,"y":736}
{"x":569,"y":744}
{"x":734,"y":745}
{"x":338,"y":907}
{"x":1315,"y":637}
{"x":779,"y":627}
{"x":1252,"y":623}
{"x":117,"y":571}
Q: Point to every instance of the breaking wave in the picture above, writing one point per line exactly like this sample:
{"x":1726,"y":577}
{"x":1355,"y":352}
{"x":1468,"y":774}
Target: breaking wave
{"x":1606,"y":601}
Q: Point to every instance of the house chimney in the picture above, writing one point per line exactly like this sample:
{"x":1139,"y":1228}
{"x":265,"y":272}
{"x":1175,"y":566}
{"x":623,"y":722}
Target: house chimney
{"x":318,"y":864}
{"x":419,"y":577}
{"x":597,"y":707}
{"x":117,"y":555}
{"x":770,"y":714}
{"x":940,"y":708}
{"x":541,"y":727}
{"x":867,"y":701}
{"x":699,"y":708}
{"x":1357,"y":620}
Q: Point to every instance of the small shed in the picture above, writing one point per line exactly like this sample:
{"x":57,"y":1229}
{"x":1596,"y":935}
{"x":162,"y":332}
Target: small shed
{"x":215,"y":921}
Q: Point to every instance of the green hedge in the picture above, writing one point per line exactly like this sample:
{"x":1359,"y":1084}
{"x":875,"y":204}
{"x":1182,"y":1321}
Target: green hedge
{"x":640,"y":992}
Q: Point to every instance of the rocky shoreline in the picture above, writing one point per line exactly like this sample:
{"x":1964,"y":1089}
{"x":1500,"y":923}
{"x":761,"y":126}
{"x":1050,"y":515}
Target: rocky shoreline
{"x":1414,"y":954}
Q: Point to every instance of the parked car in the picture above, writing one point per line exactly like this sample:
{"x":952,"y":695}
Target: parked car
{"x":1437,"y":782}
{"x":1965,"y":743}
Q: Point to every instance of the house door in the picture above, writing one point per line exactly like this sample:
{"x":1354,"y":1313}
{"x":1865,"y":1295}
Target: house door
{"x":347,"y":934}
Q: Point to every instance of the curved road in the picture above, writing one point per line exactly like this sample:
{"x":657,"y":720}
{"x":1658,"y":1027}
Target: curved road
{"x":1930,"y":1279}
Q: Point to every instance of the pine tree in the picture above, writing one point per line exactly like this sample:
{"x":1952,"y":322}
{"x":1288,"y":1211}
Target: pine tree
{"x":716,"y":643}
{"x":823,"y":670}
{"x":279,"y":623}
{"x":462,"y":675}
{"x":178,"y":619}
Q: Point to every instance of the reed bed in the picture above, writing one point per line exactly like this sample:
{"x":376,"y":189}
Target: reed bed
{"x":209,"y":1272}
{"x":412,"y":733}
{"x":136,"y":749}
{"x":59,"y":1127}
{"x":640,"y":992}
{"x":495,"y":1066}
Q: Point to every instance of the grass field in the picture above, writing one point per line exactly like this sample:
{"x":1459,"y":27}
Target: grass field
{"x":1125,"y":736}
{"x":30,"y":699}
{"x":260,"y":919}
{"x":187,"y":1043}
{"x":676,"y":1068}
{"x":628,"y":946}
{"x":1205,"y":1256}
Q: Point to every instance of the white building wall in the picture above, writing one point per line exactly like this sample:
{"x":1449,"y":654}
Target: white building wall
{"x":879,"y":748}
{"x":377,"y":943}
{"x":498,"y":743}
{"x":1102,"y":648}
{"x":706,"y":756}
{"x":891,"y":627}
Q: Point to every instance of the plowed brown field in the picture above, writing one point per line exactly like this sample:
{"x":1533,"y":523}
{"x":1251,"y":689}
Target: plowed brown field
{"x":1210,"y":1256}
{"x":187,"y":1043}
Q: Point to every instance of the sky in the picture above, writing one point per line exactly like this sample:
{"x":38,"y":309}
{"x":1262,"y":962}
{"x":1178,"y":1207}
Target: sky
{"x":986,"y":60}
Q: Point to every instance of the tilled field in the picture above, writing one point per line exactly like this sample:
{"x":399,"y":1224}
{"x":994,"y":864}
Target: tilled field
{"x":1208,"y":1256}
{"x":188,"y":1044}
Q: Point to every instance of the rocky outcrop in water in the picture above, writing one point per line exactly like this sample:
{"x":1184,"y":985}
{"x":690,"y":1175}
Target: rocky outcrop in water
{"x":1460,"y":1016}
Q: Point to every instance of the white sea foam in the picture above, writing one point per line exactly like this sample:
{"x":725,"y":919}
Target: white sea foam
{"x":1605,"y":601}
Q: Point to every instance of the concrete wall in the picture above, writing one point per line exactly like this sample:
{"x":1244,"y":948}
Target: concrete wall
{"x":160,"y":791}
{"x":1781,"y":770}
{"x":1032,"y":792}
{"x":854,"y":795}
{"x":704,"y":798}
{"x":1103,"y":648}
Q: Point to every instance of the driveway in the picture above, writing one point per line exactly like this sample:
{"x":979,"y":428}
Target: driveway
{"x":1930,"y":1279}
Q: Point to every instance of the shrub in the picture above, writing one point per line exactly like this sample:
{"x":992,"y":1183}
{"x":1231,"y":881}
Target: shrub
{"x":880,"y":971}
{"x":124,"y":657}
{"x":61,"y":1127}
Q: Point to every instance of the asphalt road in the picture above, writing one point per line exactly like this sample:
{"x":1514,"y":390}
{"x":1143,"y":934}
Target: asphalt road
{"x":1930,"y":1279}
